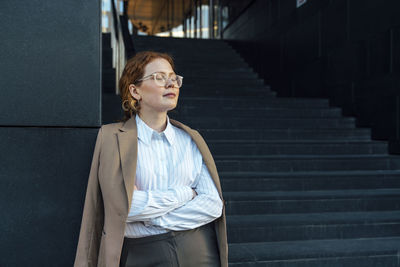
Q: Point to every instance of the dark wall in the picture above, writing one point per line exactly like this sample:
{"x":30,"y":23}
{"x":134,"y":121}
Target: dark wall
{"x":50,"y":112}
{"x":50,"y":63}
{"x":345,"y":50}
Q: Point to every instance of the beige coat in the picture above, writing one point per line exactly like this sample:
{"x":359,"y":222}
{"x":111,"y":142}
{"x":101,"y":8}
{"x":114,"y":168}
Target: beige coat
{"x":109,"y":194}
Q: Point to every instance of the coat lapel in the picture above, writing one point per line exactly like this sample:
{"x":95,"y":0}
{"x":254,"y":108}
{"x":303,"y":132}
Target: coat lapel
{"x":127,"y":143}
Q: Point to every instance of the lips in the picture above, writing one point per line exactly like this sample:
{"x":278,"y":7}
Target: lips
{"x":170,"y":94}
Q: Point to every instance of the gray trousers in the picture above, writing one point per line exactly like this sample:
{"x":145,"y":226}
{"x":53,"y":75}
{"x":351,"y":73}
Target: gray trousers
{"x":196,"y":247}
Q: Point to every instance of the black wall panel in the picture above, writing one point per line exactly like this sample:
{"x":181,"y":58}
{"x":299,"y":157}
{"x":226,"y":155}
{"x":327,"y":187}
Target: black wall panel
{"x":43,"y":181}
{"x":50,"y":63}
{"x":334,"y":25}
{"x":50,"y":112}
{"x":346,"y":50}
{"x":394,"y":36}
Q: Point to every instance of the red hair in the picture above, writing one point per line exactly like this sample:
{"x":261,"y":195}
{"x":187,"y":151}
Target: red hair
{"x":133,"y":71}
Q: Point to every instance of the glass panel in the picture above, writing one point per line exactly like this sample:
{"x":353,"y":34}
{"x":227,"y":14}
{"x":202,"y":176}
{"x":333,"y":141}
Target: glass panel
{"x":205,"y":20}
{"x":105,"y":16}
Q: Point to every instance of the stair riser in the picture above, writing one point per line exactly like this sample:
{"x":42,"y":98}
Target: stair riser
{"x":315,"y":164}
{"x":299,"y":149}
{"x":180,"y":59}
{"x":218,"y":70}
{"x":182,"y":53}
{"x":261,"y":92}
{"x":195,"y":90}
{"x":184,"y":111}
{"x":183,"y":42}
{"x":236,"y":82}
{"x":226,"y":56}
{"x":265,"y":123}
{"x":255,"y":91}
{"x":225,"y":73}
{"x":210,"y":66}
{"x":214,"y":67}
{"x":253,"y":102}
{"x":233,"y":75}
{"x":222,"y":85}
{"x":312,"y":205}
{"x":371,"y":260}
{"x":179,"y":49}
{"x":186,"y":44}
{"x":239,"y":234}
{"x":349,"y":134}
{"x":241,"y":73}
{"x":287,"y":184}
{"x":217,"y":92}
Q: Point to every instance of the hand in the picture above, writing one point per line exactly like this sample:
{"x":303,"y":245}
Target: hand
{"x":194,"y":193}
{"x":135,"y":187}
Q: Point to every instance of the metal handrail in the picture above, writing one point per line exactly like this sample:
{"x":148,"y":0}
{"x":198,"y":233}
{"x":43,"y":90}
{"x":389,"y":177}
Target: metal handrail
{"x":121,"y":41}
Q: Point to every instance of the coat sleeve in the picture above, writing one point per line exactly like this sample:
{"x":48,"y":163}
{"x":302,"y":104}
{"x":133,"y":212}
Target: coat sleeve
{"x":93,"y":214}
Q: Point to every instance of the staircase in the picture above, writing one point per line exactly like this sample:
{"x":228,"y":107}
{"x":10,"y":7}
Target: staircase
{"x":303,"y":185}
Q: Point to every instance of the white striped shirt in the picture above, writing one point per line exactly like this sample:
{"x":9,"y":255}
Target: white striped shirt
{"x":169,"y":165}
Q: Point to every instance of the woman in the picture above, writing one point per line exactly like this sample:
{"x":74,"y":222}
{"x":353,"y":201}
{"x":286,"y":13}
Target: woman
{"x":154,"y":196}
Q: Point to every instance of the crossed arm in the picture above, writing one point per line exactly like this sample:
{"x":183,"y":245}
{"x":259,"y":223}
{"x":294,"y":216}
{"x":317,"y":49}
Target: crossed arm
{"x":148,"y":204}
{"x":178,"y":208}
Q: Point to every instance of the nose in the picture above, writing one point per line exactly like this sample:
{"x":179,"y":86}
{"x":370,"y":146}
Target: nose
{"x":169,"y":83}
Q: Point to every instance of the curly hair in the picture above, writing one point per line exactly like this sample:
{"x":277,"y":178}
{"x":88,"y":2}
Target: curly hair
{"x":133,"y":71}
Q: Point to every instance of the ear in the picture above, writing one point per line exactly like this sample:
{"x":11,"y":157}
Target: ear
{"x":134,"y":92}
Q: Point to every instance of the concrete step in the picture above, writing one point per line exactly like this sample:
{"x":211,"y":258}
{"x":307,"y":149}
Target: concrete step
{"x":177,"y":51}
{"x":160,"y":43}
{"x":217,"y":70}
{"x":222,"y":80}
{"x":306,"y":226}
{"x":206,"y":75}
{"x":356,"y":134}
{"x":299,"y":147}
{"x":221,"y":101}
{"x":306,"y":181}
{"x":186,"y":43}
{"x":253,"y":91}
{"x":203,"y":77}
{"x":261,"y":92}
{"x":185,"y":112}
{"x":210,"y":65}
{"x":318,"y":201}
{"x":222,"y":50}
{"x":366,"y":252}
{"x":285,"y":163}
{"x":270,"y":123}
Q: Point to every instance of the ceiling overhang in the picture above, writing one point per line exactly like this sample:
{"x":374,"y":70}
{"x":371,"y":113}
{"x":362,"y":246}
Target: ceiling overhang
{"x":155,"y":16}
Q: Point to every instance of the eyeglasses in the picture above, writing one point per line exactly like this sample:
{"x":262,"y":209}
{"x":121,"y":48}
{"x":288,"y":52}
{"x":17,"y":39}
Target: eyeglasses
{"x":161,"y":79}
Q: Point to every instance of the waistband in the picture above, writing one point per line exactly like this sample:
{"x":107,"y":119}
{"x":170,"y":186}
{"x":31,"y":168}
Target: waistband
{"x":168,"y":235}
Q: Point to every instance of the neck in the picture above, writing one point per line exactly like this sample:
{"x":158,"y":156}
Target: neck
{"x":156,"y":121}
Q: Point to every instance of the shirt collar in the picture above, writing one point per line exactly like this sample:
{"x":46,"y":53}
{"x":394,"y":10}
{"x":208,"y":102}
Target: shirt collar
{"x":145,"y":133}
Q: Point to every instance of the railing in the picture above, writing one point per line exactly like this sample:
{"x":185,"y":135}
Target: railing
{"x":121,"y":40}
